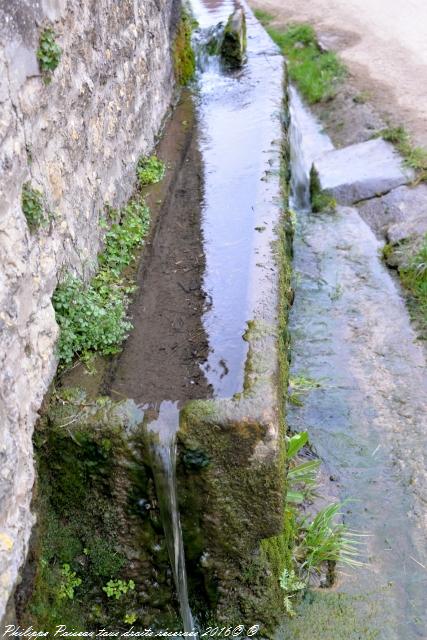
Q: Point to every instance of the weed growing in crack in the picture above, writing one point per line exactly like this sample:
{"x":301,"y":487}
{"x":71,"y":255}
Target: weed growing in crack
{"x":33,"y":207}
{"x":414,"y":277}
{"x":48,"y":54}
{"x":414,"y":157}
{"x":291,"y":585}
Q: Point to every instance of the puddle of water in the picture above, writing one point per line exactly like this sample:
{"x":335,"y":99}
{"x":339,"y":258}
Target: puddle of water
{"x":351,"y":329}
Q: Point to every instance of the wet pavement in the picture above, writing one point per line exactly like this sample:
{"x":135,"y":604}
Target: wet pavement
{"x":367,"y":420}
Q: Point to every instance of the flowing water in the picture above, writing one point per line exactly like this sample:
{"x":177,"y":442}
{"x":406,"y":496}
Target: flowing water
{"x":366,"y":419}
{"x":163,"y":425}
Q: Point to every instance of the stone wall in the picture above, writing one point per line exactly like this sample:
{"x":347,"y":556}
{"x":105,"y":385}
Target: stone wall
{"x":77,"y":140}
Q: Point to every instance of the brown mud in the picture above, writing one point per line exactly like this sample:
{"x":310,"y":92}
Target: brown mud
{"x":162,"y":356}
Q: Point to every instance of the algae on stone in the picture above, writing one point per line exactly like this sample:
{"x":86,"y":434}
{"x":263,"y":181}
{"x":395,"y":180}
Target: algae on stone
{"x":233,"y":45}
{"x":183,"y":55}
{"x":98,"y":522}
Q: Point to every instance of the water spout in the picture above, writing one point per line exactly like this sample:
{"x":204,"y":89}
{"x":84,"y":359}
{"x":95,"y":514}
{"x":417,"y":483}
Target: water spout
{"x":163,"y":424}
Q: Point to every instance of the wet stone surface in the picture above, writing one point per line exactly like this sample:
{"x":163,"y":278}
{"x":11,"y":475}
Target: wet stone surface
{"x":361,"y":171}
{"x":366,"y":420}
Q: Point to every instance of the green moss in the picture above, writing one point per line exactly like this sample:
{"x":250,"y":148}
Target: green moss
{"x":387,"y":251}
{"x":320,"y":200}
{"x":90,"y":483}
{"x":325,"y":615}
{"x":233,"y":43}
{"x":183,"y":55}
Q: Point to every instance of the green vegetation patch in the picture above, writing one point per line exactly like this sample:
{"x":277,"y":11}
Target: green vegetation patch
{"x":184,"y":59}
{"x":49,"y":53}
{"x":414,"y":157}
{"x":33,"y":206}
{"x":414,"y":277}
{"x":326,"y":615}
{"x":92,"y":317}
{"x":307,"y":546}
{"x":99,"y":552}
{"x":150,"y":170}
{"x":316,"y":73}
{"x":320,"y":200}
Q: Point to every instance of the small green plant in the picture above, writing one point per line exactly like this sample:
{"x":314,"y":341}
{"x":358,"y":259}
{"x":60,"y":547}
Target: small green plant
{"x":414,"y":157}
{"x":150,"y":170}
{"x":317,"y":73}
{"x":414,"y":277}
{"x":118,"y":588}
{"x":302,"y":476}
{"x":32,"y":206}
{"x":48,"y":53}
{"x":69,"y":582}
{"x":130,"y":618}
{"x":291,"y":585}
{"x":299,"y":386}
{"x":325,"y":541}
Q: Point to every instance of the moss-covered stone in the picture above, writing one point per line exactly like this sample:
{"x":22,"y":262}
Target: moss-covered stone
{"x":98,"y":520}
{"x":232,"y":509}
{"x":320,"y":199}
{"x":183,"y":54}
{"x":233,"y":45}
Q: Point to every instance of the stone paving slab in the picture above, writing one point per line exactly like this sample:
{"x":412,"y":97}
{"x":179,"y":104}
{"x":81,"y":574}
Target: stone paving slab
{"x":399,"y":214}
{"x":361,"y":171}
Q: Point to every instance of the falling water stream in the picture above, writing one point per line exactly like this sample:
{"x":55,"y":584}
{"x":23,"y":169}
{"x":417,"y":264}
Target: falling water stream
{"x":163,"y":424}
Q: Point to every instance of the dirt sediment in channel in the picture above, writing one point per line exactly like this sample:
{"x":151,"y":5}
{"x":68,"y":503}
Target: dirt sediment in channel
{"x":161,"y":358}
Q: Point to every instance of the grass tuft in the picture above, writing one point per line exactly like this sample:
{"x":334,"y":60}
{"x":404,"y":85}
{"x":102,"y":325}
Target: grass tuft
{"x":317,"y":73}
{"x":414,"y":277}
{"x":414,"y":157}
{"x":325,"y":540}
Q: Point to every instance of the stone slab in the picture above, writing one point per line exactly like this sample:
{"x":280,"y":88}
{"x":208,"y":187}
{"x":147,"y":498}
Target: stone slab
{"x":399,"y":214}
{"x":361,"y":171}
